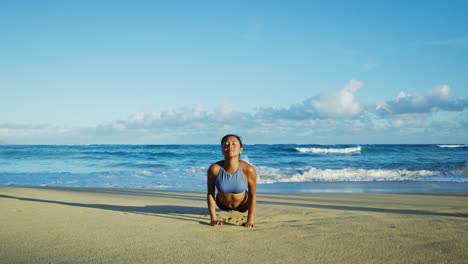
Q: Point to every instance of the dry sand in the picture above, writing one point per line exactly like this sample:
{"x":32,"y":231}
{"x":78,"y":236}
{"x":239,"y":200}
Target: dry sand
{"x":60,"y":225}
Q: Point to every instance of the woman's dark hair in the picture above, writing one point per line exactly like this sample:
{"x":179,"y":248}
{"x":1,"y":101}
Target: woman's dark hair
{"x":231,"y":135}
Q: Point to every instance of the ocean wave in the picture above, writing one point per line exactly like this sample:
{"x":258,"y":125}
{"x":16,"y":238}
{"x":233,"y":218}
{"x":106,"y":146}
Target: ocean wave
{"x":269,"y":175}
{"x":145,"y":172}
{"x":452,"y":146}
{"x":330,"y":150}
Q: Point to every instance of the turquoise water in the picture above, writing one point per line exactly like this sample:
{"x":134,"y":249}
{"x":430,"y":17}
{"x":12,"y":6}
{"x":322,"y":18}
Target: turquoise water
{"x":280,"y":168}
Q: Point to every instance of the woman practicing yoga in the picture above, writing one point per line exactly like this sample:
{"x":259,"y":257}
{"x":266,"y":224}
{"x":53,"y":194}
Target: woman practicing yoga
{"x":235,"y":180}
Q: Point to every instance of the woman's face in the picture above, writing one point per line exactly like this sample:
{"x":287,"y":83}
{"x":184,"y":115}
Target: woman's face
{"x":231,"y":147}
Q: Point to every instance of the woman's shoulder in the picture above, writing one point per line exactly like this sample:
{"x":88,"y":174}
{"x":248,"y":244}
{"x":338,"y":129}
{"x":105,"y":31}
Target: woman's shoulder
{"x":215,"y":167}
{"x":247,"y":167}
{"x":217,"y":164}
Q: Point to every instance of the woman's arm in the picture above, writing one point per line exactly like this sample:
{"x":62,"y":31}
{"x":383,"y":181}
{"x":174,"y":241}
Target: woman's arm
{"x":252,"y":182}
{"x":210,"y":198}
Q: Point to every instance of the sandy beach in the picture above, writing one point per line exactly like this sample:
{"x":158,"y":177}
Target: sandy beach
{"x":82,"y":225}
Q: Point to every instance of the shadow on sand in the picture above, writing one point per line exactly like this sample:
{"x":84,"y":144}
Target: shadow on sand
{"x":186,"y":213}
{"x":199,"y":214}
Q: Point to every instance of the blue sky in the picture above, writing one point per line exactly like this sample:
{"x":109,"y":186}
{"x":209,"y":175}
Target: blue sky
{"x":163,"y":72}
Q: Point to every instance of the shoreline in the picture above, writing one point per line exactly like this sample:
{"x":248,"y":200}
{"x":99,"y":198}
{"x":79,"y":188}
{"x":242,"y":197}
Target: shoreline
{"x":383,"y":187}
{"x":105,"y":225}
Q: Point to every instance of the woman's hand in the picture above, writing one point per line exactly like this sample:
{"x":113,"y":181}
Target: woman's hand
{"x":216,"y":223}
{"x":248,"y":225}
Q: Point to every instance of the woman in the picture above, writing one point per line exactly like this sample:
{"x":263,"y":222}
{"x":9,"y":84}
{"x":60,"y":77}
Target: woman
{"x":235,"y":180}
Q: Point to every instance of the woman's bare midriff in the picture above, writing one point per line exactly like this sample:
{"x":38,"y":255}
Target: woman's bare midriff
{"x":231,"y":200}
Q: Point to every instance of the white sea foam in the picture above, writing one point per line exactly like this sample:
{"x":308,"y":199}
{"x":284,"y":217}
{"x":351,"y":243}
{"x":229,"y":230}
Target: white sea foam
{"x":145,"y":172}
{"x":452,"y":146}
{"x":330,"y":150}
{"x":272,"y":175}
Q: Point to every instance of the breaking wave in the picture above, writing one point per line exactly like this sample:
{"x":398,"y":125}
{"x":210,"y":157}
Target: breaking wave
{"x":330,"y":150}
{"x":273,"y":175}
{"x":452,"y":146}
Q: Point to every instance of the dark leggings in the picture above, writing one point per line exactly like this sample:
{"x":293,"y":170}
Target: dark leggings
{"x":243,"y":207}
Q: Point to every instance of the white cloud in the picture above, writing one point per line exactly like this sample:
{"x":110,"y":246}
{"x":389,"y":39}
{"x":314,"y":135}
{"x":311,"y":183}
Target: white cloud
{"x":439,"y":98}
{"x":118,"y":126}
{"x":14,"y":133}
{"x":141,"y":117}
{"x":170,"y":118}
{"x":16,"y":130}
{"x":328,"y":117}
{"x":224,"y":111}
{"x":339,"y":103}
{"x":334,"y":104}
{"x":409,"y":120}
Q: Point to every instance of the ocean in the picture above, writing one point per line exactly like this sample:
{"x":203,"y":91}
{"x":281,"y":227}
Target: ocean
{"x":280,"y":168}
